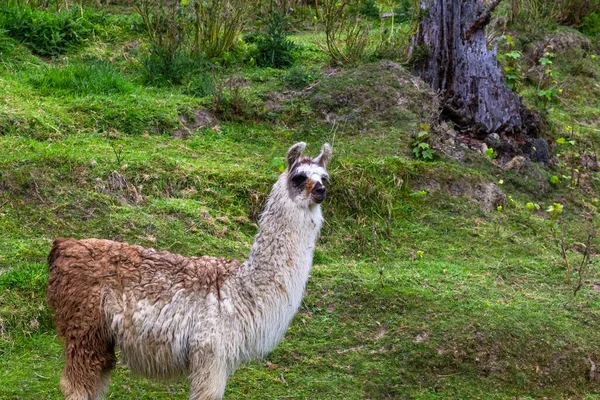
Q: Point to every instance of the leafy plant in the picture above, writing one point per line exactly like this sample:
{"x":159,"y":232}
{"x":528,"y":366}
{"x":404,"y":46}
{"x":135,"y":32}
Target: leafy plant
{"x":369,"y":9}
{"x":491,"y":153}
{"x":274,"y":49}
{"x":546,"y":89}
{"x":200,"y":84}
{"x":510,"y":64}
{"x":299,"y":77}
{"x":555,"y":210}
{"x":420,"y":145}
{"x":161,"y":66}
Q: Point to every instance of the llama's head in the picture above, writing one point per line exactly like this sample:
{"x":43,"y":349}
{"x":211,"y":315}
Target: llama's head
{"x":307,"y":177}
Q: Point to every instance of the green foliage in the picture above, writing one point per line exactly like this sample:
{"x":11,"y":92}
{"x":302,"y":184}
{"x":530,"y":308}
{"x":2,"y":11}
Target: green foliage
{"x":565,"y":12}
{"x":510,"y":64}
{"x":200,"y":83}
{"x":7,"y":44}
{"x":217,"y":25}
{"x":369,"y":9}
{"x":406,"y":10}
{"x":555,"y":210}
{"x":547,"y":90}
{"x":47,"y":33}
{"x":182,"y":34}
{"x":274,"y":48}
{"x":491,"y":153}
{"x":299,"y":77}
{"x":421,"y":148}
{"x":100,"y":77}
{"x":591,"y":25}
{"x":554,"y":180}
{"x":346,"y":36}
{"x":162,"y":66}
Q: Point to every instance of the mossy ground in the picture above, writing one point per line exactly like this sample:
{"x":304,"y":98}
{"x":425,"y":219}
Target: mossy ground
{"x":414,"y":294}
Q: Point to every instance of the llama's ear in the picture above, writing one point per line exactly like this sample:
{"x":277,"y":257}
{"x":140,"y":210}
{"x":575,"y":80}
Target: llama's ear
{"x":323,"y":158}
{"x":294,"y":154}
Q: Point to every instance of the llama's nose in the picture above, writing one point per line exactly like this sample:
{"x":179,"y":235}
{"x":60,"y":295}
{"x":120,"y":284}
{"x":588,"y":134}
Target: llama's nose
{"x":319,"y":192}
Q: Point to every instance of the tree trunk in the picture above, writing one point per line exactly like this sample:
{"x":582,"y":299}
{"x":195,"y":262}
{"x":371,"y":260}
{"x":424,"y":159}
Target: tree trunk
{"x":451,"y":54}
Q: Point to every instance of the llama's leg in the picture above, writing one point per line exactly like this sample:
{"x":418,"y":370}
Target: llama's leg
{"x":208,"y":377}
{"x":104,"y":381}
{"x":88,"y":362}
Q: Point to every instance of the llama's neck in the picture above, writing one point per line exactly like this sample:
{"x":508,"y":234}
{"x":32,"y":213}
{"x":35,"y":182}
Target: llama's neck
{"x":283,"y":248}
{"x":273,"y":278}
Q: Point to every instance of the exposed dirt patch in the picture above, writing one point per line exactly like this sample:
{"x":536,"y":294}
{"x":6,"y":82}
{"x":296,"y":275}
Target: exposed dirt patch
{"x":120,"y":186}
{"x":189,"y":124}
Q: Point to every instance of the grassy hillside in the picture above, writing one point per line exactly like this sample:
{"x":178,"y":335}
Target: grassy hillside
{"x":432,"y":280}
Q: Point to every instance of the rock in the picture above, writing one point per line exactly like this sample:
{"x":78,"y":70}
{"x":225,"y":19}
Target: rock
{"x":489,"y":195}
{"x":537,"y":150}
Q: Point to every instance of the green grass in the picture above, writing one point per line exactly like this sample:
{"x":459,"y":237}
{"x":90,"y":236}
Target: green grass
{"x":416,"y":292}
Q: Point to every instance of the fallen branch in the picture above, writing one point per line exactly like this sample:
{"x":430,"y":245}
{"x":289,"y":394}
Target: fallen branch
{"x":483,"y":20}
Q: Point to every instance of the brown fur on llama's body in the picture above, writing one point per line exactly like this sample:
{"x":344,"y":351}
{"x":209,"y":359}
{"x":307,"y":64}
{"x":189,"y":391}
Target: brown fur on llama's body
{"x":91,"y":270}
{"x":173,"y":315}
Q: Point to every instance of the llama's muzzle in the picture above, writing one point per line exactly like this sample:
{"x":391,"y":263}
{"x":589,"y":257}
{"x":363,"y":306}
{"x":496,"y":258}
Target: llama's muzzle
{"x":318,"y":193}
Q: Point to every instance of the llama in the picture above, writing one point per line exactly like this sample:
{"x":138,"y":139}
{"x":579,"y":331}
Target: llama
{"x":173,"y":316}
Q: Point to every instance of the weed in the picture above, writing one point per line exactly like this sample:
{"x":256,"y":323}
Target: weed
{"x":200,"y":84}
{"x":7,"y":44}
{"x":299,"y":77}
{"x":510,"y":64}
{"x":421,"y":148}
{"x":591,"y":25}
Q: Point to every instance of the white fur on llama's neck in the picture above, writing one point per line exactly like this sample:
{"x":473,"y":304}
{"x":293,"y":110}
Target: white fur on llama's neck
{"x":271,"y":282}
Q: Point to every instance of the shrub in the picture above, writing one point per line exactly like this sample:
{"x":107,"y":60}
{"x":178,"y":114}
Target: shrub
{"x":299,"y":77}
{"x":274,"y":49}
{"x":217,"y":25}
{"x":183,"y":34}
{"x":591,"y":25}
{"x":369,"y":9}
{"x":46,"y":33}
{"x":200,"y":84}
{"x":346,"y":38}
{"x":161,"y":66}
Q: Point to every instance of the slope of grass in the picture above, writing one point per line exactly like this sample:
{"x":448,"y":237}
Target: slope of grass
{"x":416,"y":292}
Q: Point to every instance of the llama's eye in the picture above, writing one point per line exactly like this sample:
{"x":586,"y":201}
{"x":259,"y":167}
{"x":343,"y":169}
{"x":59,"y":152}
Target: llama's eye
{"x":325,"y":180}
{"x":299,"y":180}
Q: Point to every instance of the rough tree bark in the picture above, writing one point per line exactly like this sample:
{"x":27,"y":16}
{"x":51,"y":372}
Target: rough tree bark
{"x":451,"y":54}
